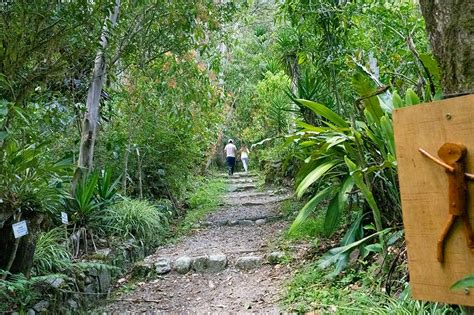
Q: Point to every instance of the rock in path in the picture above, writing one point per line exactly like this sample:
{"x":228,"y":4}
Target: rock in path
{"x":162,"y":266}
{"x":183,"y":264}
{"x":248,"y":262}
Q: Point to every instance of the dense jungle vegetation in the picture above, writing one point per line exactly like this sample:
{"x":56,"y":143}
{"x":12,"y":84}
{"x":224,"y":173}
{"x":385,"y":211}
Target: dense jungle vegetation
{"x":116,"y":113}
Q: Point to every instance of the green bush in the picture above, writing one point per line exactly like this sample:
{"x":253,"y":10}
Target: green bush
{"x":52,"y":254}
{"x":137,"y":219}
{"x":18,"y":293}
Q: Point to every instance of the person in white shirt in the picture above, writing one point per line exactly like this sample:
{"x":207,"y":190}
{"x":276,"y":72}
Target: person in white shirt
{"x":230,"y":150}
{"x":244,"y":156}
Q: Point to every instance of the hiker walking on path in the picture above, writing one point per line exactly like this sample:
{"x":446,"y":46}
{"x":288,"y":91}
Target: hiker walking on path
{"x":230,"y":150}
{"x":244,"y":156}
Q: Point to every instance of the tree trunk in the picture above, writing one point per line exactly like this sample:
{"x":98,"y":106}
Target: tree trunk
{"x":450,"y":26}
{"x":125,"y":160}
{"x":140,"y":177}
{"x":295,"y":78}
{"x":89,"y":129}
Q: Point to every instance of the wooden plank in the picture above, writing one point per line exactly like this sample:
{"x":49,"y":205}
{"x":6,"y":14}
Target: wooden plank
{"x":424,"y":194}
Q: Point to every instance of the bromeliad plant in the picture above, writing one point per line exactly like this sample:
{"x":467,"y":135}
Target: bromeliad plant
{"x":348,"y":154}
{"x":86,"y":204}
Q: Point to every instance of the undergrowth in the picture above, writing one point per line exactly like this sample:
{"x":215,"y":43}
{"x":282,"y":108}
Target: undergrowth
{"x":308,"y":230}
{"x":138,"y":219}
{"x":356,"y":291}
{"x":203,"y":200}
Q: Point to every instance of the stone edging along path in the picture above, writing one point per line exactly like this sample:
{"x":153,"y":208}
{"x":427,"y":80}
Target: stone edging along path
{"x":229,"y":263}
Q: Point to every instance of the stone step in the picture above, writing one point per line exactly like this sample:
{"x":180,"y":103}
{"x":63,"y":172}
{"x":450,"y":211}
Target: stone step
{"x":241,"y":180}
{"x":211,"y":263}
{"x":254,"y":220}
{"x":239,"y":176}
{"x":243,"y":202}
{"x":241,"y":187}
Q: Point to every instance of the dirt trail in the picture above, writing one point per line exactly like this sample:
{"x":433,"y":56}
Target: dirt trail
{"x":234,"y":242}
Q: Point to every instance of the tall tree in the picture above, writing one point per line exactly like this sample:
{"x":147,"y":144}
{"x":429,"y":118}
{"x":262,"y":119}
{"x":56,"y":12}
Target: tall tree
{"x":450,"y":26}
{"x":91,"y":119}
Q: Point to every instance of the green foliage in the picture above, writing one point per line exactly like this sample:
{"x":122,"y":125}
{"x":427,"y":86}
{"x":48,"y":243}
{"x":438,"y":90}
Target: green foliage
{"x":18,"y":292}
{"x":352,"y":293}
{"x":28,"y":179}
{"x":334,"y":149}
{"x":466,"y":282}
{"x":205,"y":199}
{"x":83,"y":204}
{"x":137,"y":219}
{"x":52,"y":254}
{"x":107,"y":188}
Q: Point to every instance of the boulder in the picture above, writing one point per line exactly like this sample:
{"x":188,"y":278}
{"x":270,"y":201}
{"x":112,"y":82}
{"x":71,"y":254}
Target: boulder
{"x":217,"y":263}
{"x":55,"y":282}
{"x":104,"y":253}
{"x":260,"y":221}
{"x":183,"y":264}
{"x":93,"y":272}
{"x":143,"y":270}
{"x":72,"y":305}
{"x":105,"y":279}
{"x":200,"y":263}
{"x":248,"y":262}
{"x":162,"y":266}
{"x":41,"y":306}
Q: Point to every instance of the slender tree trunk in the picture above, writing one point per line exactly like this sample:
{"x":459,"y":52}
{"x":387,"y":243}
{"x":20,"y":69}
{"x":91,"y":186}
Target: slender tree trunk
{"x":450,"y":26}
{"x":89,"y":129}
{"x":125,"y":159}
{"x":295,"y":78}
{"x":140,"y":177}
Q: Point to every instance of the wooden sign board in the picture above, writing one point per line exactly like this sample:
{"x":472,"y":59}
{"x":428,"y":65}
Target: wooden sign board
{"x":424,"y":194}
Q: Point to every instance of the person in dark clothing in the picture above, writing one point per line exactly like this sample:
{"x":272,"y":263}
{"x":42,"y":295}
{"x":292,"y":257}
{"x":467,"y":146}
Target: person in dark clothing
{"x":230,"y":151}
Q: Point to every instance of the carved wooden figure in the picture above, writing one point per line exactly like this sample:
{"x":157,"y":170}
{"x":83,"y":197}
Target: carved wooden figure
{"x":453,"y":160}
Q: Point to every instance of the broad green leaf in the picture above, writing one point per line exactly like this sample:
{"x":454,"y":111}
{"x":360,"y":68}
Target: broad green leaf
{"x":372,"y":248}
{"x":313,"y":176}
{"x":325,"y":112}
{"x":334,"y":254}
{"x":337,"y":206}
{"x":397,"y":100}
{"x":430,"y":63}
{"x":333,"y":216}
{"x":355,"y":231}
{"x":3,"y":135}
{"x":387,"y":130}
{"x":411,"y":98}
{"x":368,"y":196}
{"x":466,"y":282}
{"x":308,"y":127}
{"x":309,"y":207}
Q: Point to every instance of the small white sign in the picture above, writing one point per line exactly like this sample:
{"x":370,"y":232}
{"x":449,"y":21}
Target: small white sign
{"x":64,"y":218}
{"x":20,"y":229}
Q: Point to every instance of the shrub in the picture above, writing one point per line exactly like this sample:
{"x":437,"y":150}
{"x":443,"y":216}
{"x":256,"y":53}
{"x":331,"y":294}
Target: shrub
{"x":51,"y":253}
{"x":138,"y":219}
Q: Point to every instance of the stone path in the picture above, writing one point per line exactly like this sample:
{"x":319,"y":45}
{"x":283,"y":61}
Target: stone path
{"x":227,"y":265}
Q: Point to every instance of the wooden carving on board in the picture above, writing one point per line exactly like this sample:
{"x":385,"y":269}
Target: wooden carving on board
{"x":453,"y":160}
{"x":438,"y":209}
